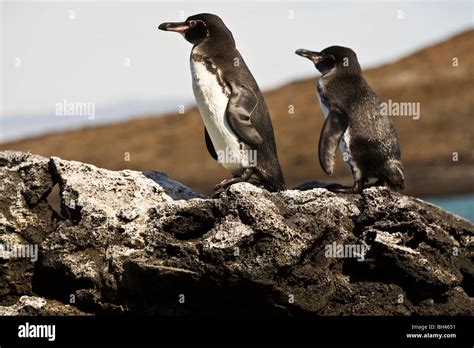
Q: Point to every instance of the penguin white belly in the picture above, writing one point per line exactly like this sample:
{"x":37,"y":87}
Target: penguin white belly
{"x":212,"y":103}
{"x":344,"y":145}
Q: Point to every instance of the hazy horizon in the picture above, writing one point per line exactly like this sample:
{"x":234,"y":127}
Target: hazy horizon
{"x":111,"y":53}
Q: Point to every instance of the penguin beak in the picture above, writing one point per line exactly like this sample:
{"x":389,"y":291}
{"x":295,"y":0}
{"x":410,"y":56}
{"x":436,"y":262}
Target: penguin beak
{"x":179,"y":27}
{"x":313,"y":56}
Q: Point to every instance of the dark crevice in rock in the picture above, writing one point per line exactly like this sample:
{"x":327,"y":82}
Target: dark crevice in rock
{"x":361,"y":221}
{"x":467,"y":271}
{"x":245,"y":217}
{"x":38,"y":183}
{"x":382,"y":269}
{"x":190,"y":223}
{"x":72,"y":214}
{"x":149,"y":293}
{"x":57,"y":283}
{"x":416,"y":239}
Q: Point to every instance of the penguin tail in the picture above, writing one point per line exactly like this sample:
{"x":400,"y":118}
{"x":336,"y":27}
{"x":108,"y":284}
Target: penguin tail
{"x":272,"y":183}
{"x":395,"y":175}
{"x":275,"y":184}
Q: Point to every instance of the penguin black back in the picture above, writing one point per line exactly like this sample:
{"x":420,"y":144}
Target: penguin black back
{"x":246,"y":114}
{"x":353,"y":119}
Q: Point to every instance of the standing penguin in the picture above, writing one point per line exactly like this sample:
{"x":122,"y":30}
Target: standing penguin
{"x":367,"y":139}
{"x":238,"y":130}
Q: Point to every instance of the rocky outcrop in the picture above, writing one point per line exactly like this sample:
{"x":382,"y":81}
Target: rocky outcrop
{"x":131,"y":242}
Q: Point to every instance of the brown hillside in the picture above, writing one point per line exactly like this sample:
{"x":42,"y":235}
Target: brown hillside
{"x":175,"y":143}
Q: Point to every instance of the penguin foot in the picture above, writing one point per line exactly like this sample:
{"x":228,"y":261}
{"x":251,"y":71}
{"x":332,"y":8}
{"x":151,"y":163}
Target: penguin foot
{"x":356,"y":189}
{"x":221,"y":187}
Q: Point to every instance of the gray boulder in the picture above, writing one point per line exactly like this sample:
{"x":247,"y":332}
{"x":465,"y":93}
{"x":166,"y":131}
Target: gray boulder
{"x":126,"y":242}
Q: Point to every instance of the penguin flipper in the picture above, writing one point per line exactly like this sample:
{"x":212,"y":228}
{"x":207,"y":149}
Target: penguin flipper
{"x":241,"y":105}
{"x":210,"y":145}
{"x":333,"y":129}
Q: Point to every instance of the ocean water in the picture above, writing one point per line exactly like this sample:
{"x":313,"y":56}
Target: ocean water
{"x":460,"y":205}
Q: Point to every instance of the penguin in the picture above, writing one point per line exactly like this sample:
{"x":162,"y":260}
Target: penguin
{"x":353,"y":121}
{"x":237,"y":127}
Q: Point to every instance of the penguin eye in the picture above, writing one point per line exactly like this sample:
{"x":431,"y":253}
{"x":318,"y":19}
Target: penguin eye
{"x":192,"y":23}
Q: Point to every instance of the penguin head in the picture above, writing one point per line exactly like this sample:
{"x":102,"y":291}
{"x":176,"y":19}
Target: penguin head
{"x":342,"y":59}
{"x":200,"y":28}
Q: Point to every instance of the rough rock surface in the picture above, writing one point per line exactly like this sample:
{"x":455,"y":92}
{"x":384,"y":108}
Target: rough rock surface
{"x":141,"y":243}
{"x":33,"y":305}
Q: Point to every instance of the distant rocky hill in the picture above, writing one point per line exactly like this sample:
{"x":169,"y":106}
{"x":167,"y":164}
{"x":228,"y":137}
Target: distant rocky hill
{"x":440,"y":78}
{"x":127,"y":242}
